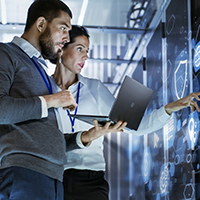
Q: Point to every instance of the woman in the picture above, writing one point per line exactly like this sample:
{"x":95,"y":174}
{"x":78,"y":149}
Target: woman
{"x":85,"y":167}
{"x":84,"y":171}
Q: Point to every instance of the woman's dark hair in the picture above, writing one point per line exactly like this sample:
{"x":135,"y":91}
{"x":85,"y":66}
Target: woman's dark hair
{"x":49,"y":9}
{"x":75,"y":32}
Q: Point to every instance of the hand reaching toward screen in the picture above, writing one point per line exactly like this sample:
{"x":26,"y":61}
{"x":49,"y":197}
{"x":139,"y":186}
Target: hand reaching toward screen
{"x":183,"y":103}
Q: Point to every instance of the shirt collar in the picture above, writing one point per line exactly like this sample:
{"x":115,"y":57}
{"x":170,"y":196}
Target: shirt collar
{"x":28,"y":48}
{"x":81,"y":79}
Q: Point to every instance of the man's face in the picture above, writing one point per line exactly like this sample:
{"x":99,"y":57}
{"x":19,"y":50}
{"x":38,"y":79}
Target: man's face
{"x":55,"y":36}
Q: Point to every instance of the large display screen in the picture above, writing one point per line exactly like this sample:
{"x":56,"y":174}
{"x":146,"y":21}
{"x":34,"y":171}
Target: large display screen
{"x":154,"y":149}
{"x":165,"y":164}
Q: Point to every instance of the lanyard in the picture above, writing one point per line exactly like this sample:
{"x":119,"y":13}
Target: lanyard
{"x":73,"y":119}
{"x":46,"y":80}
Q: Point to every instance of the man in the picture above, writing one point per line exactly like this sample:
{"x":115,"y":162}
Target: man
{"x":32,"y":149}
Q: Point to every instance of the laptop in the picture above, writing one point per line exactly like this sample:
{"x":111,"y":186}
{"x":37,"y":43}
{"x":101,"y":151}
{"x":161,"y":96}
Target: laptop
{"x":129,"y":106}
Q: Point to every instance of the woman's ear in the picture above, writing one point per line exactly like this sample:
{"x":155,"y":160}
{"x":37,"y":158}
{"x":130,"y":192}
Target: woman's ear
{"x":41,"y":24}
{"x":60,"y":53}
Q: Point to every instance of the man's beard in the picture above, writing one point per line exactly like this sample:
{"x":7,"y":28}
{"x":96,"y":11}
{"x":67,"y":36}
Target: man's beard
{"x":46,"y":45}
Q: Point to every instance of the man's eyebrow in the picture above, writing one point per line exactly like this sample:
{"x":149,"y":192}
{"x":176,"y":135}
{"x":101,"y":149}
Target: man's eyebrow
{"x":68,"y":26}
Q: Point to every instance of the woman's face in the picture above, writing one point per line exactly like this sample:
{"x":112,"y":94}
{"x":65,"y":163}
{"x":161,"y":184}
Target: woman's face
{"x":75,"y":54}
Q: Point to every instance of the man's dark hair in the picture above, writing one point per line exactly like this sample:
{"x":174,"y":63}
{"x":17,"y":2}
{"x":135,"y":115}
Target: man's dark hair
{"x":75,"y":32}
{"x":49,"y":9}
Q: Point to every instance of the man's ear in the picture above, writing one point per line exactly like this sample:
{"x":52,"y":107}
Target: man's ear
{"x":41,"y":24}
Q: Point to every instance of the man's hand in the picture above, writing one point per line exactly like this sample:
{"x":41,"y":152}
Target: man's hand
{"x":98,"y":131}
{"x":61,"y":99}
{"x":183,"y":103}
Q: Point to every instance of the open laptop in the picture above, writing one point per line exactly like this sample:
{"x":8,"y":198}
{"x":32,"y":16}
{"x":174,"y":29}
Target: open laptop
{"x":129,"y":106}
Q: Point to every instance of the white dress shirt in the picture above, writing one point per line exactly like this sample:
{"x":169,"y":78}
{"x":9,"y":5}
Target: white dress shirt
{"x":95,"y":99}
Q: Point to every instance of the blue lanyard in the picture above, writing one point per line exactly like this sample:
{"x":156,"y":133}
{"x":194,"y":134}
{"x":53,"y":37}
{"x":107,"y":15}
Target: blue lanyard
{"x":77,"y":99}
{"x":47,"y":81}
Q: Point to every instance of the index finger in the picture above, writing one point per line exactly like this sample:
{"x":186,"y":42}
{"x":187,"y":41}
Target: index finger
{"x":96,"y":124}
{"x":196,"y":95}
{"x":123,"y":125}
{"x":107,"y":125}
{"x":195,"y":105}
{"x":119,"y":126}
{"x":71,"y":107}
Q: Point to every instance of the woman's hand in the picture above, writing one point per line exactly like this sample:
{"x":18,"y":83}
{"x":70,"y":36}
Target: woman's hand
{"x":183,"y":103}
{"x":98,"y":131}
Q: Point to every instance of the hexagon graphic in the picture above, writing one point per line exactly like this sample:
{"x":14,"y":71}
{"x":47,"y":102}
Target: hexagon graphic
{"x":188,"y":191}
